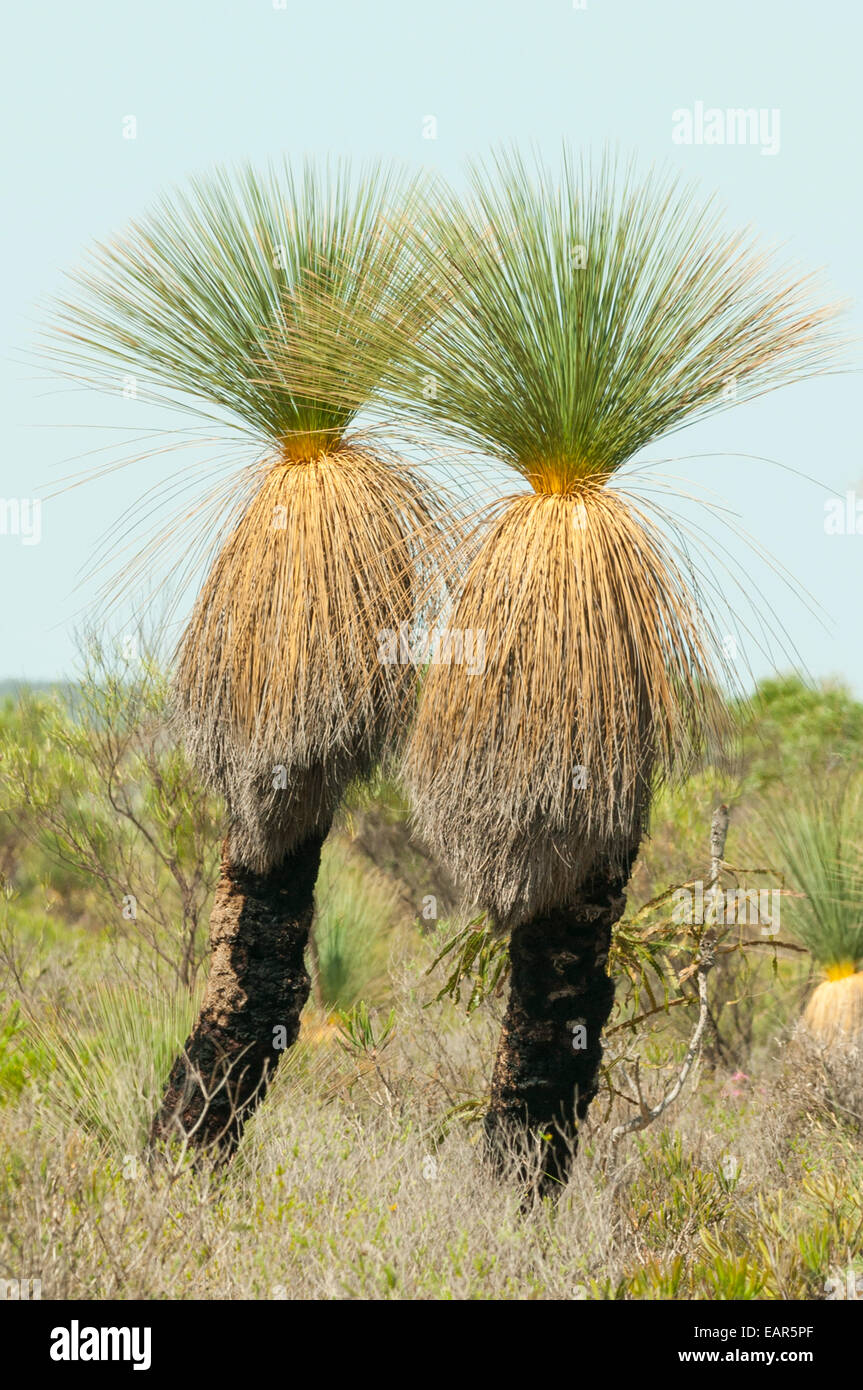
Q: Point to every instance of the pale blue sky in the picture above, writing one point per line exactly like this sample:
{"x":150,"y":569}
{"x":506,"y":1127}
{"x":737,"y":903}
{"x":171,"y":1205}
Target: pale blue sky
{"x":221,"y":80}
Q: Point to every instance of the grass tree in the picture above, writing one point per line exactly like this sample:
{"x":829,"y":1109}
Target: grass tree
{"x":322,"y":543}
{"x":583,"y":318}
{"x":817,"y":845}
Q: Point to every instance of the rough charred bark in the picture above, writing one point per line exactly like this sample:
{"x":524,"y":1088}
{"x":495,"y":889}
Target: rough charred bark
{"x":257,"y":987}
{"x":547,"y":1068}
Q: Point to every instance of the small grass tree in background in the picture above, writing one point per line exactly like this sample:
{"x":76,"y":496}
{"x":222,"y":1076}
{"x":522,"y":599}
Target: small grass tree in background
{"x":583,"y":317}
{"x":322,"y":542}
{"x":817,"y":842}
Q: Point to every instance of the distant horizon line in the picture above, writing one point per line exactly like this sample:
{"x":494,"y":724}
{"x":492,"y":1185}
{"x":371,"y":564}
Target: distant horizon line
{"x":11,"y":684}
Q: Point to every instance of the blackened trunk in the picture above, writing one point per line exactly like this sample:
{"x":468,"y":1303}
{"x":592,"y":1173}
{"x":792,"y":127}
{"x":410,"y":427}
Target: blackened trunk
{"x":256,"y":990}
{"x":547,"y":1068}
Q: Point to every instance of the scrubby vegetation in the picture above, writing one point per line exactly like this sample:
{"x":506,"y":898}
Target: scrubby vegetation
{"x":362,"y":1176}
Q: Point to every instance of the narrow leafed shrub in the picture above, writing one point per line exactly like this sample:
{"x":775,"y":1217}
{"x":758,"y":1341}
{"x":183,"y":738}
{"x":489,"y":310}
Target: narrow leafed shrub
{"x":110,"y":801}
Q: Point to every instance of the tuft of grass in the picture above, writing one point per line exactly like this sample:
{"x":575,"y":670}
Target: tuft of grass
{"x":112,"y":1049}
{"x":815,"y":841}
{"x":357,"y":924}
